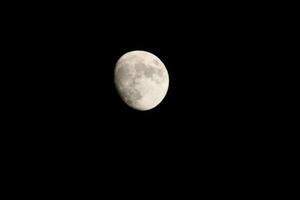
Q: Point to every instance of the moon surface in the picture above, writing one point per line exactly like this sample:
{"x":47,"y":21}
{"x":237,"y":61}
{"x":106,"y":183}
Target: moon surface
{"x":141,"y":79}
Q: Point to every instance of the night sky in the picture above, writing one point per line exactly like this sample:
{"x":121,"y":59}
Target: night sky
{"x":210,"y":55}
{"x":209,"y":118}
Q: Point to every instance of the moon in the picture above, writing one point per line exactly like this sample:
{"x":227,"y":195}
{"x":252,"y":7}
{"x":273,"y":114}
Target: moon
{"x":141,"y":79}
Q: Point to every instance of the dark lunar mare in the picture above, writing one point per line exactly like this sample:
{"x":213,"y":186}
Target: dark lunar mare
{"x":129,"y":94}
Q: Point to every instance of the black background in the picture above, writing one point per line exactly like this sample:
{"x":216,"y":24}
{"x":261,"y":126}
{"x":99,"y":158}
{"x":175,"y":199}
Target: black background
{"x":72,"y":118}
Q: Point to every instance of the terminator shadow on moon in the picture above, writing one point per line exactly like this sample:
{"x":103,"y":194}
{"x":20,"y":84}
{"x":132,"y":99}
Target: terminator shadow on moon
{"x":141,"y":79}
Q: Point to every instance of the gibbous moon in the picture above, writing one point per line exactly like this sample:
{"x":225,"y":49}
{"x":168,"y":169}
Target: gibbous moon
{"x":141,"y":79}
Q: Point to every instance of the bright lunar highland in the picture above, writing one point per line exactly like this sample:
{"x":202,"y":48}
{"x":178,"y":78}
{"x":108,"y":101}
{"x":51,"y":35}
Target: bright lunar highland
{"x":141,"y":79}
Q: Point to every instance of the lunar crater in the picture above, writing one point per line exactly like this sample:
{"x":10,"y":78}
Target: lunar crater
{"x":155,"y":61}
